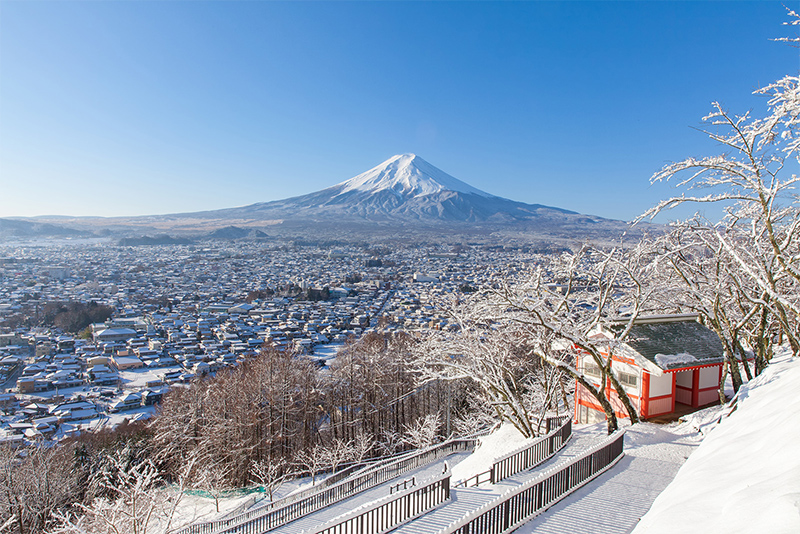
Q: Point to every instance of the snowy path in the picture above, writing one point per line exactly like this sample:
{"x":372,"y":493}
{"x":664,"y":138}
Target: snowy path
{"x":581,"y":440}
{"x":319,"y":517}
{"x":464,"y":501}
{"x":614,"y":502}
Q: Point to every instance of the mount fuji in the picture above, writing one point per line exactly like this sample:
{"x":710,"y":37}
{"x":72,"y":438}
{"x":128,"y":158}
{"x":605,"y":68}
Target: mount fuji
{"x":405,"y":189}
{"x":403,"y":196}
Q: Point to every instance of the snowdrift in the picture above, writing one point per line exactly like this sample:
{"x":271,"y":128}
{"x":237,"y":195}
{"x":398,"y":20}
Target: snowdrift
{"x":745,"y":475}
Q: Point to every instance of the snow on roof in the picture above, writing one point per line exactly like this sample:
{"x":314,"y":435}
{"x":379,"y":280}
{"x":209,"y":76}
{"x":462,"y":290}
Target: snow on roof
{"x":674,"y":360}
{"x":716,"y":491}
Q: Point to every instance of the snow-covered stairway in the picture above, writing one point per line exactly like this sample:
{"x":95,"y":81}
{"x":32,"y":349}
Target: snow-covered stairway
{"x":269,"y":518}
{"x":518,"y":503}
{"x":581,"y":440}
{"x":462,"y":502}
{"x":320,"y":517}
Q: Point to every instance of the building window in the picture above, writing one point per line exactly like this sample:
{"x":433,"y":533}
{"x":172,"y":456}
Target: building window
{"x":591,"y":369}
{"x":628,"y":379}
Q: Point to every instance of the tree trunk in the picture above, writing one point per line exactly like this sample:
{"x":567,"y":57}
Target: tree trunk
{"x":626,"y":401}
{"x":611,"y":417}
{"x":722,"y":398}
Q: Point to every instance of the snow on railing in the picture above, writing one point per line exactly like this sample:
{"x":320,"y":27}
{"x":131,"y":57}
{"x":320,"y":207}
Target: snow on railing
{"x":521,"y":504}
{"x":526,"y":456}
{"x":287,"y":510}
{"x":391,"y":511}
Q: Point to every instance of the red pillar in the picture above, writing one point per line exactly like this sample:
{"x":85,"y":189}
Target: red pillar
{"x":674,"y":376}
{"x":695,"y":388}
{"x":644,"y":404}
{"x":577,"y":401}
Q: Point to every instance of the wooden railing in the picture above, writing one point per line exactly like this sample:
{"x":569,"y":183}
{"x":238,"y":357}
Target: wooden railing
{"x":389,"y":512}
{"x":523,"y":503}
{"x":240,"y":514}
{"x":403,"y":485}
{"x":532,"y":455}
{"x":266,"y":518}
{"x":325,"y":483}
{"x":527,"y":456}
{"x":476,"y":480}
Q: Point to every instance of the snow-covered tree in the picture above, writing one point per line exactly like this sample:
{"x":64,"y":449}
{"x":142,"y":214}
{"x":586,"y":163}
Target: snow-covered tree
{"x":136,"y":501}
{"x":35,"y":482}
{"x":703,"y":279}
{"x":754,"y":179}
{"x":422,"y":432}
{"x":269,"y":474}
{"x":265,"y":409}
{"x":558,"y":308}
{"x":312,"y":461}
{"x":497,"y":363}
{"x":369,"y":386}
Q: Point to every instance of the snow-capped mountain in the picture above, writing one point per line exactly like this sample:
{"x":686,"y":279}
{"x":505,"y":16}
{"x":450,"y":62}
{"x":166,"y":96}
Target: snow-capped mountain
{"x":403,"y":189}
{"x":407,"y":175}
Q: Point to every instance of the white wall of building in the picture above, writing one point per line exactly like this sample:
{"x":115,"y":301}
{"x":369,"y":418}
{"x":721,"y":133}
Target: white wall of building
{"x":709,"y":377}
{"x":660,"y":385}
{"x":683,"y":378}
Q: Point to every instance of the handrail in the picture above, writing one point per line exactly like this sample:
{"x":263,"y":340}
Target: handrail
{"x":390,"y":511}
{"x":521,"y":504}
{"x":326,"y":482}
{"x":531,"y":455}
{"x":239,"y":514}
{"x":269,"y":517}
{"x":409,"y":482}
{"x":526,"y":456}
{"x":466,"y":483}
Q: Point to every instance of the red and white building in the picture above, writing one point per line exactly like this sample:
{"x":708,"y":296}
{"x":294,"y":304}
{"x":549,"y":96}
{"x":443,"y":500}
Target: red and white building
{"x":665,"y":362}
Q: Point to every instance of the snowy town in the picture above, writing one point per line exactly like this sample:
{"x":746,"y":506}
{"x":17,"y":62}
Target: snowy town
{"x":182,"y":312}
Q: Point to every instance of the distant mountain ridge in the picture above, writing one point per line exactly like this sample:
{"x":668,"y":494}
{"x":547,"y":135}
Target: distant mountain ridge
{"x":403,"y":197}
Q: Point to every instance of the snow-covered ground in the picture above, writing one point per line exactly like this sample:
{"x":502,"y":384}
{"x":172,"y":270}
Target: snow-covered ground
{"x":196,"y":507}
{"x":745,"y":475}
{"x":327,"y":353}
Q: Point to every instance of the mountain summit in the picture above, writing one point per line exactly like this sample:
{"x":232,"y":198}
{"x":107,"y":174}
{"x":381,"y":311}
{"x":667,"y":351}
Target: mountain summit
{"x":408,"y":175}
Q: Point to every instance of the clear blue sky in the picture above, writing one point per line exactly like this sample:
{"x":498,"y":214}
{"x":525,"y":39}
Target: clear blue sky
{"x":145,"y":107}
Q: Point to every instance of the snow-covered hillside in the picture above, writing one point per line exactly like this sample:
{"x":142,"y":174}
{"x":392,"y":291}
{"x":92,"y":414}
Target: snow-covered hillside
{"x":745,"y":475}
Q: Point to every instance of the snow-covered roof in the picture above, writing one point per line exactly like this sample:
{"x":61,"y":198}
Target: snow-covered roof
{"x":675,"y":343}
